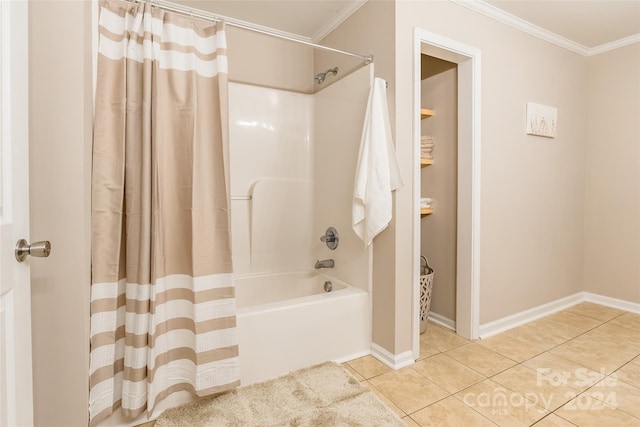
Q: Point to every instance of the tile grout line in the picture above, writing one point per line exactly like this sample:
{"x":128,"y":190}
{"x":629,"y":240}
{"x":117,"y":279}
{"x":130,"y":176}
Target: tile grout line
{"x":517,"y":363}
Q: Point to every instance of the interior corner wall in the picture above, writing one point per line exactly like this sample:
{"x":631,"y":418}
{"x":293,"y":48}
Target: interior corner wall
{"x":612,"y":185}
{"x":60,"y":122}
{"x":370,"y":31}
{"x":532,"y":188}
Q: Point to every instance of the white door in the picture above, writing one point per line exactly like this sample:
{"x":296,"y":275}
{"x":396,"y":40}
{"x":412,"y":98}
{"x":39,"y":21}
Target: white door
{"x":16,"y":397}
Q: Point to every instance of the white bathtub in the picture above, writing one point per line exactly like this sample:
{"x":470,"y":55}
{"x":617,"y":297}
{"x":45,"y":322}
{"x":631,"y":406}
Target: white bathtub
{"x":287,"y":322}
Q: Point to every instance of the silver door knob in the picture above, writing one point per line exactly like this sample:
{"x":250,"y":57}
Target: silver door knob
{"x":39,"y":249}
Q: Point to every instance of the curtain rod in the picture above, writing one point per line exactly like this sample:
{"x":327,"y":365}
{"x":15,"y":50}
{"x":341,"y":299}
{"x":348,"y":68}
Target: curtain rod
{"x":184,"y":10}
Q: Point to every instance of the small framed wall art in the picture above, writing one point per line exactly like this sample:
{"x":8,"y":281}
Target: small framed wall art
{"x":542,"y":120}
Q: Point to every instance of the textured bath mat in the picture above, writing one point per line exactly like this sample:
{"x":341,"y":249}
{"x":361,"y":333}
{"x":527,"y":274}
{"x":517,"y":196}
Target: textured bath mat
{"x":322,"y":395}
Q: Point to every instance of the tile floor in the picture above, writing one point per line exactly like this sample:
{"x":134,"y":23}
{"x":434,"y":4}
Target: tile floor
{"x":577,"y":367}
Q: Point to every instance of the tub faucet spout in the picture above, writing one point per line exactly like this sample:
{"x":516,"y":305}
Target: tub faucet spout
{"x":325,"y":263}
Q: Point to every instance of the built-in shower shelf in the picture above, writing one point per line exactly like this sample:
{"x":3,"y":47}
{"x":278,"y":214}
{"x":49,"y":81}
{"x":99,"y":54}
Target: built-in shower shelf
{"x":426,"y":211}
{"x":425,"y":162}
{"x":424,"y":113}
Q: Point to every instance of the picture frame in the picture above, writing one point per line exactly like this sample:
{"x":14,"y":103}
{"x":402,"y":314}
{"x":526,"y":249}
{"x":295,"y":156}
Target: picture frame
{"x":541,"y":120}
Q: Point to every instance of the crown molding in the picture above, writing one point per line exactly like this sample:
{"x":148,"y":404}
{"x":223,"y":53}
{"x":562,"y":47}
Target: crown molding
{"x":522,"y":25}
{"x":614,"y":44}
{"x":342,"y":16}
{"x":269,"y":31}
{"x":534,"y":30}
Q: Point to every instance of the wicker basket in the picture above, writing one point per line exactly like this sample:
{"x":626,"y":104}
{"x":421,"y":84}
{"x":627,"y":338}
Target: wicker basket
{"x":426,"y":286}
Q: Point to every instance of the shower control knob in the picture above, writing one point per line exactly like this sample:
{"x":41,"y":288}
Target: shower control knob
{"x":37,"y":249}
{"x":330,"y":238}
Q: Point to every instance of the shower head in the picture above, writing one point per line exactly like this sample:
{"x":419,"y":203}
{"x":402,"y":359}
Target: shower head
{"x":319,"y":78}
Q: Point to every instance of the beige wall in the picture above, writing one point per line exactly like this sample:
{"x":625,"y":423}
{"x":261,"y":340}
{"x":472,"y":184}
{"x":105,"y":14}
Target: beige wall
{"x":267,"y":61}
{"x":531,"y":228}
{"x":439,"y":181}
{"x":259,"y":59}
{"x":536,"y":243}
{"x":532,"y":203}
{"x":370,"y":31}
{"x":60,"y":145}
{"x":612,"y":189}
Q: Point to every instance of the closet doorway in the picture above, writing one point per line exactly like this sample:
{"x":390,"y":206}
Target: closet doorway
{"x":464,"y":61}
{"x":439,"y":182}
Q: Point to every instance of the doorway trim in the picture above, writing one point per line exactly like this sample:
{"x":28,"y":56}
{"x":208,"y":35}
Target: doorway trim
{"x":468,"y":59}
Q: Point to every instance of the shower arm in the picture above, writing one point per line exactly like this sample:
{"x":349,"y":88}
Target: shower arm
{"x":319,"y":78}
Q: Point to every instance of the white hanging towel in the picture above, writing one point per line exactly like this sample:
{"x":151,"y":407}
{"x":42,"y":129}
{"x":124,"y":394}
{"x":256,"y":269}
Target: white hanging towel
{"x":377,"y":173}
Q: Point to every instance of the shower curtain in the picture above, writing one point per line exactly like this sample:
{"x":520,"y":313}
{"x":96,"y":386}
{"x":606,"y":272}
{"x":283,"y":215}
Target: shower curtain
{"x":162,"y":297}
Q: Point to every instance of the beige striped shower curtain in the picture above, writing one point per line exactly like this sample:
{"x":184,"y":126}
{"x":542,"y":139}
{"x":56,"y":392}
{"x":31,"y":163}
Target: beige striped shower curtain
{"x":162,"y":296}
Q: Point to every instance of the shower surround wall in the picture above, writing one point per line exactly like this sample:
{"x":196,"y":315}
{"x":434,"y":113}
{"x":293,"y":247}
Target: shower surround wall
{"x":292,"y":165}
{"x":339,"y":116}
{"x":270,"y":133}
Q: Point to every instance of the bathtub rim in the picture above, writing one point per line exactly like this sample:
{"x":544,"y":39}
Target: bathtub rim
{"x":348,"y":290}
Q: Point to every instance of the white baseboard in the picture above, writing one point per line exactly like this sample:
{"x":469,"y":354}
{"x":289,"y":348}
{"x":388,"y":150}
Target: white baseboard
{"x":497,"y":326}
{"x":613,"y":302}
{"x":440,"y":320}
{"x":509,"y":322}
{"x":394,"y":361}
